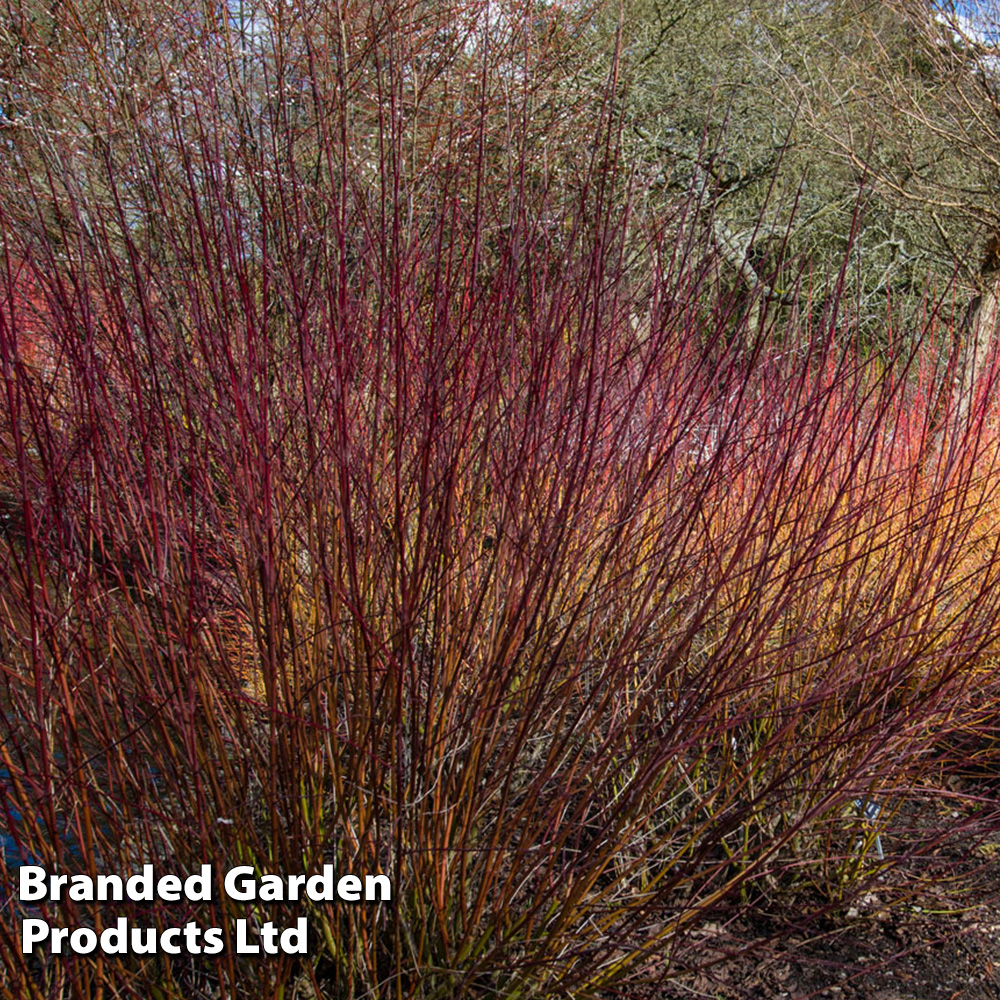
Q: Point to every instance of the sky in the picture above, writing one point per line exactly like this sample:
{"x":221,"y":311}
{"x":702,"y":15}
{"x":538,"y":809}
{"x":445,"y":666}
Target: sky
{"x":975,"y":21}
{"x":978,"y":20}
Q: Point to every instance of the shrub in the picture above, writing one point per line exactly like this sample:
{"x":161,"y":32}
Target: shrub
{"x":367,"y":530}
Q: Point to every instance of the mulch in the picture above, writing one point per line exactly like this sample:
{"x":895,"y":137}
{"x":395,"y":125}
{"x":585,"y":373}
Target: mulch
{"x":925,"y":928}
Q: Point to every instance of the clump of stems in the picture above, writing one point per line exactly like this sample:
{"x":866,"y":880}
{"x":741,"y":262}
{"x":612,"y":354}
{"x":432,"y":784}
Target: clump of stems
{"x":363,"y":501}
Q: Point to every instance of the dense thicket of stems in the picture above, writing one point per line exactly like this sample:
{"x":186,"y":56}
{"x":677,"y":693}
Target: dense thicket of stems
{"x":362,"y":504}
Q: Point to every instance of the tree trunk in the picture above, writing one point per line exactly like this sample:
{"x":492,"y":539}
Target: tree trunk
{"x":976,"y":335}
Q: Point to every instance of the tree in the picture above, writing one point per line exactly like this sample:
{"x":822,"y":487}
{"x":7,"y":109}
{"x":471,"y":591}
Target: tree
{"x":825,"y":130}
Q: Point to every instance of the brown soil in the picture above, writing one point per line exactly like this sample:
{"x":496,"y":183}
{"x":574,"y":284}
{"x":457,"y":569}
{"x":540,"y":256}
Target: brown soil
{"x":928,"y":928}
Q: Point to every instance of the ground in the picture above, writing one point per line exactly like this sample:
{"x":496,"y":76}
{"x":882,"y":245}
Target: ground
{"x":941,"y":941}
